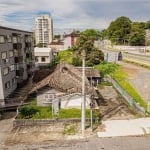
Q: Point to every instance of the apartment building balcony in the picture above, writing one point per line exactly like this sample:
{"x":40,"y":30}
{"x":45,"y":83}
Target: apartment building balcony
{"x":20,"y":72}
{"x":18,"y":59}
{"x":17,"y":45}
{"x":28,"y":44}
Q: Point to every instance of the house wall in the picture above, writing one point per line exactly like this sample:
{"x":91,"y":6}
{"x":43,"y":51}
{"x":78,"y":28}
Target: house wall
{"x":74,"y":101}
{"x":45,"y":53}
{"x":68,"y":42}
{"x":45,"y":97}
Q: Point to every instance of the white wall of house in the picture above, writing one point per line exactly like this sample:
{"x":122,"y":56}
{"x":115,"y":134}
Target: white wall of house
{"x":46,"y":96}
{"x":67,"y":42}
{"x":43,"y":56}
{"x":74,"y":101}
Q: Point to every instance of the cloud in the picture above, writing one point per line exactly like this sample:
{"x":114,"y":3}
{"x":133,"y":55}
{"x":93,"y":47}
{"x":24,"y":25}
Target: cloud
{"x":72,"y":13}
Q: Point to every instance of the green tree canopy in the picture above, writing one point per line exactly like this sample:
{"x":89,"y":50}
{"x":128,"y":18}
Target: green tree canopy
{"x":86,"y":42}
{"x":123,"y":31}
{"x":119,"y":29}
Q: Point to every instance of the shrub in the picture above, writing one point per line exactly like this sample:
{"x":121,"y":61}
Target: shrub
{"x":28,"y":111}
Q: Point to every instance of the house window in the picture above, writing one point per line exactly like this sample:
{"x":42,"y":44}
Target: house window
{"x":6,"y":71}
{"x":4,"y":55}
{"x":7,"y":85}
{"x":46,"y":96}
{"x":11,"y":53}
{"x":43,"y":59}
{"x":2,"y":39}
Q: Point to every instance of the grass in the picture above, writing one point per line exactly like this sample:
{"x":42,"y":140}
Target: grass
{"x":70,"y":129}
{"x":46,"y":112}
{"x":121,"y":78}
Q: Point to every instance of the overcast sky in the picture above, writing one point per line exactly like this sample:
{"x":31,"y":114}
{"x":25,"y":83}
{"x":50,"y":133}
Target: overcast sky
{"x":71,"y":14}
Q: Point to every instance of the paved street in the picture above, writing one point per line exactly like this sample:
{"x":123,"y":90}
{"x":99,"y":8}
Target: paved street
{"x":139,"y":77}
{"x":117,"y":143}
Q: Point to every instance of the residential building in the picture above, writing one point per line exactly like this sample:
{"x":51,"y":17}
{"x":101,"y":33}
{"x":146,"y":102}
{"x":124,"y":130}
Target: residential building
{"x":16,"y":60}
{"x":43,"y":30}
{"x":70,"y":40}
{"x":65,"y":84}
{"x":43,"y":56}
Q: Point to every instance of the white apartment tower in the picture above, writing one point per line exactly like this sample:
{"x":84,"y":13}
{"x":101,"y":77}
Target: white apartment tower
{"x":43,"y":30}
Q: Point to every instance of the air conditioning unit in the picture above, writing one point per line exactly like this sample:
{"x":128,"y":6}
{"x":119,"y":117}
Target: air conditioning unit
{"x":17,"y":77}
{"x":5,"y":61}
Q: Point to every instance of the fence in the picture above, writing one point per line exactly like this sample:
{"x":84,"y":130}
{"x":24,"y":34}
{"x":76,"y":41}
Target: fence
{"x":135,"y":106}
{"x":54,"y":122}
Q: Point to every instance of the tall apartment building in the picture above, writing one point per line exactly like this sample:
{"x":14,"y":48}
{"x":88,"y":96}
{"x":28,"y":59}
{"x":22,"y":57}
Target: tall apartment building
{"x":43,"y":30}
{"x":16,"y":59}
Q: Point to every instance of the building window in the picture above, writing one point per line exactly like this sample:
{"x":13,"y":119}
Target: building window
{"x":11,"y":53}
{"x":4,"y":55}
{"x":36,"y":59}
{"x":7,"y":85}
{"x":43,"y":59}
{"x":6,"y":71}
{"x":19,"y":39}
{"x":15,"y":39}
{"x":13,"y":81}
{"x":12,"y":67}
{"x":2,"y":39}
{"x":9,"y":38}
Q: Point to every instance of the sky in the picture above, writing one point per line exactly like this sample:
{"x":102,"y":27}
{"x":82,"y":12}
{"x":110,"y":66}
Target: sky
{"x":71,"y":14}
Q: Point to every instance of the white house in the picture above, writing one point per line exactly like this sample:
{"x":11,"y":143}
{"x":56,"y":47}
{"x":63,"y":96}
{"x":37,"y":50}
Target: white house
{"x":43,"y":56}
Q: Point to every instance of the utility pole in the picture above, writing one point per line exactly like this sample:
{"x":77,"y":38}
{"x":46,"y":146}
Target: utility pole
{"x":83,"y":94}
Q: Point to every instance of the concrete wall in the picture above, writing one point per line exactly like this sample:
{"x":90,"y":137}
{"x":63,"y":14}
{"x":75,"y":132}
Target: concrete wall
{"x":10,"y":63}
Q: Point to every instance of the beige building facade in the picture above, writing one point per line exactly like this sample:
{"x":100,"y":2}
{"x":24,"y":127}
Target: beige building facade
{"x":43,"y":30}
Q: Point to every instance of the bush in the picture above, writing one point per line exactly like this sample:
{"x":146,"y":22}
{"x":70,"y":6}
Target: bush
{"x":28,"y":111}
{"x":106,"y":68}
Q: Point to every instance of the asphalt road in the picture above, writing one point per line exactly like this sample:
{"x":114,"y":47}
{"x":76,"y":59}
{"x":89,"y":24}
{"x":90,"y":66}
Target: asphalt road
{"x":119,"y":143}
{"x":139,"y":78}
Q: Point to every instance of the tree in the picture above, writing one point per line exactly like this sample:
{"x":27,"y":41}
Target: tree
{"x":119,"y":30}
{"x":137,"y":34}
{"x":147,"y":25}
{"x":86,"y":42}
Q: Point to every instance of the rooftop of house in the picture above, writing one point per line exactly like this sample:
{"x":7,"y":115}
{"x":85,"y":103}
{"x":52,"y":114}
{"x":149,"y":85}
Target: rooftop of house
{"x":66,"y":78}
{"x":90,"y":72}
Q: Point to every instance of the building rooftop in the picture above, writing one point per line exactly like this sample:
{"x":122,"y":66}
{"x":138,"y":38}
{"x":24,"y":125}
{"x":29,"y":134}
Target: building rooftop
{"x":7,"y":28}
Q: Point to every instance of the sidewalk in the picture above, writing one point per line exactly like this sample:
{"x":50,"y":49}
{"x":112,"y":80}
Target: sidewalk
{"x":134,"y":127}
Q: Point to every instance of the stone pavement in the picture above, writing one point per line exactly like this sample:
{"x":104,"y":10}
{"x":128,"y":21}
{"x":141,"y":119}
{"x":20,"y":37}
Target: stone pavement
{"x":133,"y":127}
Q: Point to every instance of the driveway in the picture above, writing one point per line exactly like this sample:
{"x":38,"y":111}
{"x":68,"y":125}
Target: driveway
{"x":133,"y":127}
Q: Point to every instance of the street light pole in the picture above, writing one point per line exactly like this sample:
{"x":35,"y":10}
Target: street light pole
{"x":83,"y":94}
